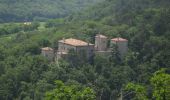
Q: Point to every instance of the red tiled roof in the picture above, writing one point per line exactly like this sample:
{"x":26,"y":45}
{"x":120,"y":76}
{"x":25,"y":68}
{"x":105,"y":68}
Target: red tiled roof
{"x":119,"y":39}
{"x":74,"y":42}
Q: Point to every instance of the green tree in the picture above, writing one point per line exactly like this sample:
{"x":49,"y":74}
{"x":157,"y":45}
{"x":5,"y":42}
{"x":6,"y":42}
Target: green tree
{"x":161,"y":84}
{"x":139,"y":90}
{"x":70,"y":92}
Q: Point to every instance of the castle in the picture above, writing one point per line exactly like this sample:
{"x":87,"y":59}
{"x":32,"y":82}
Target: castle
{"x":100,"y":47}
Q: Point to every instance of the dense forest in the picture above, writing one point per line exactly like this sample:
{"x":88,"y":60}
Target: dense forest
{"x":143,"y":74}
{"x":28,"y":10}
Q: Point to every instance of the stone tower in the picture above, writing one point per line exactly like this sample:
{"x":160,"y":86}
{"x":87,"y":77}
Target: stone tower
{"x":100,"y":42}
{"x":122,"y":45}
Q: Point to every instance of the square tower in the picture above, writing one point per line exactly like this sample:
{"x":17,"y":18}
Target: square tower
{"x":122,"y":45}
{"x":100,"y":42}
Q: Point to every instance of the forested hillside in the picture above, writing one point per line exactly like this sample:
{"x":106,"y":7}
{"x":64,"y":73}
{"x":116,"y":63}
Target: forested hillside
{"x":143,"y":74}
{"x":28,"y":10}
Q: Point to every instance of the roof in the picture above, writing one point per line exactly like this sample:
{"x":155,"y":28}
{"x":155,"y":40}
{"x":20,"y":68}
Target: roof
{"x":74,"y":42}
{"x":119,"y":39}
{"x":101,"y":36}
{"x":47,"y":49}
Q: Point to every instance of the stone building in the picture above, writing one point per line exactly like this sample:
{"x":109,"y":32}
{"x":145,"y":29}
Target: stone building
{"x":85,"y":49}
{"x":100,"y":42}
{"x":48,"y":53}
{"x":61,"y":54}
{"x":122,"y":45}
{"x":65,"y":45}
{"x":101,"y":47}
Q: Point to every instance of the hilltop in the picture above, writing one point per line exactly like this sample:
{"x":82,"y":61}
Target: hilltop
{"x":28,"y":10}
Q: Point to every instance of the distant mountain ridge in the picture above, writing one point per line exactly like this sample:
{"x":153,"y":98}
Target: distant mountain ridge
{"x":119,"y":8}
{"x":26,"y":10}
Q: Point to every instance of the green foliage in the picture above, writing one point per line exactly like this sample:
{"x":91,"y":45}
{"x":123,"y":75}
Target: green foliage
{"x":11,"y":28}
{"x":160,"y":82}
{"x":40,"y":10}
{"x":54,"y":23}
{"x":24,"y":74}
{"x":139,"y":90}
{"x":70,"y":92}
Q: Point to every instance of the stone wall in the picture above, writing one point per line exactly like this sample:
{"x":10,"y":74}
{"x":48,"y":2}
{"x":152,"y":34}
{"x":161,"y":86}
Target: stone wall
{"x":100,"y":43}
{"x":122,"y":47}
{"x":49,"y":54}
{"x":65,"y":47}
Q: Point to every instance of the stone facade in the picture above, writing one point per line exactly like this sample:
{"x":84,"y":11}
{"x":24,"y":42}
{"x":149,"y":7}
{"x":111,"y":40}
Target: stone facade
{"x":103,"y":53}
{"x":86,"y":49}
{"x":63,"y":47}
{"x":48,"y":53}
{"x":78,"y":46}
{"x":122,"y":45}
{"x":100,"y":42}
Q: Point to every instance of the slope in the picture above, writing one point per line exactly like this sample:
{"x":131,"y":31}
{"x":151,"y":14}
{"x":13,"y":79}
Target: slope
{"x":26,"y":10}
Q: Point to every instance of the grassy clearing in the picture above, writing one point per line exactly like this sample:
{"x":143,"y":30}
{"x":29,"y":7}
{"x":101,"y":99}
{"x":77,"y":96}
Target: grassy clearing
{"x":42,"y":26}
